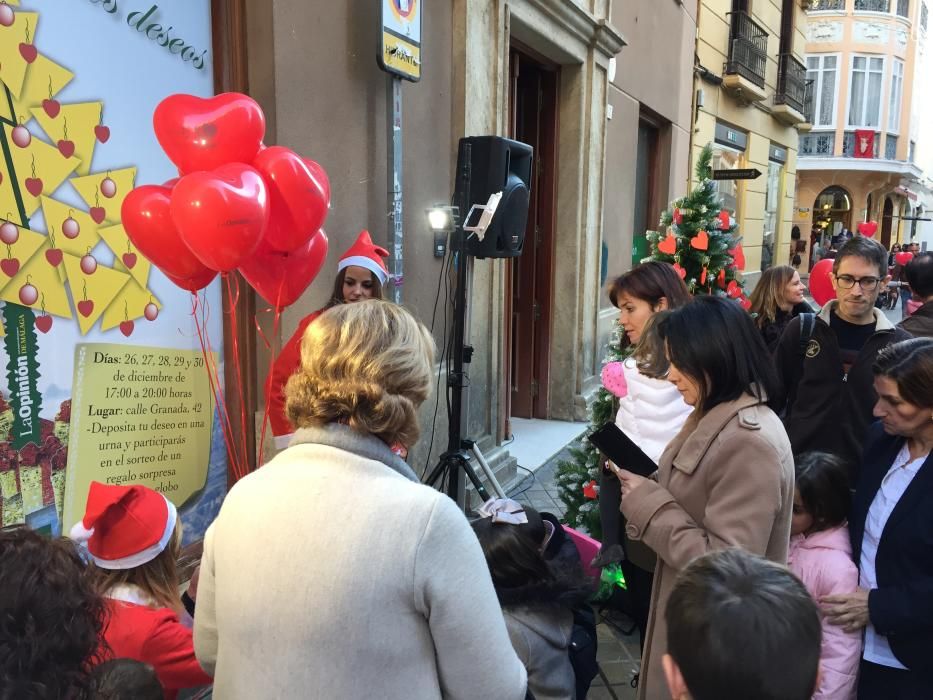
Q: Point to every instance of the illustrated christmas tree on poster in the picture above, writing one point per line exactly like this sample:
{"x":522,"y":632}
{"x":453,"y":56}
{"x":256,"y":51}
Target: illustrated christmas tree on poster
{"x":71,"y":270}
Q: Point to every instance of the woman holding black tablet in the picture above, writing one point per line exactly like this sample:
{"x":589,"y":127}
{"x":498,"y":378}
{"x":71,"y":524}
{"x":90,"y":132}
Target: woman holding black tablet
{"x":727,"y":478}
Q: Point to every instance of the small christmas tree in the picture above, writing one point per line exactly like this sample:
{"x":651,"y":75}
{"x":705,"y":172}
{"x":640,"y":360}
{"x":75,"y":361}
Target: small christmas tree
{"x":700,"y":240}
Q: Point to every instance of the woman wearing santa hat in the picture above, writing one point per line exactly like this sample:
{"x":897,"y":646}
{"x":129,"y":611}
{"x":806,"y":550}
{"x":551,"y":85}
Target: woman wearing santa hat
{"x":133,"y":537}
{"x":361,"y":274}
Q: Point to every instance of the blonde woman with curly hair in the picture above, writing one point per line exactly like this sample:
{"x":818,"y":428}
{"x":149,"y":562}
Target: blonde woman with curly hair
{"x":776,"y":300}
{"x":332,"y":572}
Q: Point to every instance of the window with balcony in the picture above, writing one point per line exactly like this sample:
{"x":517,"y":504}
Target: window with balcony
{"x":748,"y":48}
{"x":865,"y":84}
{"x":827,"y":5}
{"x":897,"y":93}
{"x":903,"y":8}
{"x":872,"y":5}
{"x":818,"y":144}
{"x":822,"y":70}
{"x":890,"y":147}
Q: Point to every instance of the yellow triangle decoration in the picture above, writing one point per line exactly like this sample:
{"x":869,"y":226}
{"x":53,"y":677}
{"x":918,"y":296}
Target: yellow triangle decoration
{"x":130,"y":305}
{"x":39,"y":160}
{"x":13,"y":66}
{"x":100,"y":288}
{"x":43,"y":72}
{"x":8,"y":208}
{"x":119,"y":243}
{"x":88,"y":187}
{"x":75,"y":123}
{"x":24,"y":248}
{"x":55,"y":213}
{"x":39,"y":273}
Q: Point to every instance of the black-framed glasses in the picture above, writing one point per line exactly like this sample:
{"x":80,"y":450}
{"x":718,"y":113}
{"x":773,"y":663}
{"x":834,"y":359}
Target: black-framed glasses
{"x":866,"y":283}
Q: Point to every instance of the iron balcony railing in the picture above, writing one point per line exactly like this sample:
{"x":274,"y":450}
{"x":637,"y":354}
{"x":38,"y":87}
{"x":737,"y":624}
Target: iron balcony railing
{"x":792,"y":83}
{"x":808,"y":101}
{"x":818,"y":144}
{"x":826,"y":5}
{"x":748,"y":49}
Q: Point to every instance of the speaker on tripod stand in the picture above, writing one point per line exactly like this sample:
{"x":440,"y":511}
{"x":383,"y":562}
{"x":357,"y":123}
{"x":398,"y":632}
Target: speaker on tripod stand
{"x":492,"y":171}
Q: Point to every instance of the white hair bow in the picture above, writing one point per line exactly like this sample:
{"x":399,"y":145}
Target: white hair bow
{"x":503,"y":510}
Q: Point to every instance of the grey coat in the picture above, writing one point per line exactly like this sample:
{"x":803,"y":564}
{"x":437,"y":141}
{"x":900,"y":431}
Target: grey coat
{"x":541,"y":637}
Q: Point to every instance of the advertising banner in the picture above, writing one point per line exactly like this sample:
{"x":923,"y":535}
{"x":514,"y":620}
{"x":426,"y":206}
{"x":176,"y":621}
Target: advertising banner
{"x":105,"y":376}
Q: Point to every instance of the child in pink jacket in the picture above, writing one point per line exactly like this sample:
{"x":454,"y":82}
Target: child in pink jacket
{"x":821,"y":556}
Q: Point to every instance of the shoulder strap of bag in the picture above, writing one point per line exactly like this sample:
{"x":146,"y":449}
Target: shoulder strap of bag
{"x":807,"y":324}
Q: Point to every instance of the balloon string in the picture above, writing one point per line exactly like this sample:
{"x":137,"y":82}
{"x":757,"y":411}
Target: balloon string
{"x":198,"y":314}
{"x":267,"y":410}
{"x":233,"y":297}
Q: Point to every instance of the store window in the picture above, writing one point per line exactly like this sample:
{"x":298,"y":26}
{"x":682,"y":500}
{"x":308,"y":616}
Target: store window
{"x":823,"y":70}
{"x":772,"y":214}
{"x":865,"y":83}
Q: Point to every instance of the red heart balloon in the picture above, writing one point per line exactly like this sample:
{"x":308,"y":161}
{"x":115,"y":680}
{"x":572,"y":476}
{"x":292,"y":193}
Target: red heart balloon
{"x":903,"y":258}
{"x":148,"y":223}
{"x":320,"y":175}
{"x":282,"y":277}
{"x":204,"y":133}
{"x":821,"y":286}
{"x":298,"y":197}
{"x":199,"y":280}
{"x":221,"y":215}
{"x":868,"y":228}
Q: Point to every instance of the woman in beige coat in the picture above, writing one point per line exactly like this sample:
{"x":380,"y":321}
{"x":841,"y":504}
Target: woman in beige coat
{"x":727,"y":479}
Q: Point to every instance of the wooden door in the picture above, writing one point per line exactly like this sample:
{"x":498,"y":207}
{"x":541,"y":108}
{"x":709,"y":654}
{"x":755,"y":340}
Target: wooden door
{"x":887,"y":216}
{"x":533,"y":103}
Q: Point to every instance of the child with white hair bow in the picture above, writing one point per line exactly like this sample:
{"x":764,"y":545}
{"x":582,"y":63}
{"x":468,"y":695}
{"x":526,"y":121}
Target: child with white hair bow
{"x":539,"y":587}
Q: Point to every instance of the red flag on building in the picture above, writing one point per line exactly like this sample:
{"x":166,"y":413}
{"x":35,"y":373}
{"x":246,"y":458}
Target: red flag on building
{"x":864,"y":143}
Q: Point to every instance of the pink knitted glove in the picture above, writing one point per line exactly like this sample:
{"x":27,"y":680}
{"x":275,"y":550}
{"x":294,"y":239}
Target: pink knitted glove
{"x":614,"y":379}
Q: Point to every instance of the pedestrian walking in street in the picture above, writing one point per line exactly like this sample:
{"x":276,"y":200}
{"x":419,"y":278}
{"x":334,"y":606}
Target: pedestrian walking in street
{"x":133,"y":537}
{"x":727,"y":478}
{"x":891,"y":528}
{"x":50,"y":618}
{"x":332,"y":572}
{"x":537,"y":596}
{"x":776,"y":300}
{"x":919,"y":272}
{"x":651,"y":413}
{"x":824,"y":361}
{"x":821,"y":557}
{"x":361,"y":274}
{"x":741,"y":628}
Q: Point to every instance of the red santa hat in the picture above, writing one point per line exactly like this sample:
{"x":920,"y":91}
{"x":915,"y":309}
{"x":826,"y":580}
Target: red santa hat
{"x":125,"y":526}
{"x":364,"y":253}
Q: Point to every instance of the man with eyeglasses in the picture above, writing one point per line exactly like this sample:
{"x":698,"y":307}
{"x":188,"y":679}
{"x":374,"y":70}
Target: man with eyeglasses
{"x":825,"y":363}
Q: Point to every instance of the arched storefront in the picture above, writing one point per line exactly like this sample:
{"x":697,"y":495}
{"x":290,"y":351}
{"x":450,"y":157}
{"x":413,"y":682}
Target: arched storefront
{"x":832,"y":212}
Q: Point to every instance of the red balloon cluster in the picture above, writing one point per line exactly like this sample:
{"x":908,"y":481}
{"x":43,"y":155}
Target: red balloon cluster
{"x":236,"y":205}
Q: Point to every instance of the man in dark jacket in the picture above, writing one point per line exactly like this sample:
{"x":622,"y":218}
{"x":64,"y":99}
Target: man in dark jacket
{"x":919,"y":272}
{"x":827,"y":376}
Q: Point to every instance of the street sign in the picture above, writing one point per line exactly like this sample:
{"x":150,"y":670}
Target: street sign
{"x":400,"y":45}
{"x":737,"y":174}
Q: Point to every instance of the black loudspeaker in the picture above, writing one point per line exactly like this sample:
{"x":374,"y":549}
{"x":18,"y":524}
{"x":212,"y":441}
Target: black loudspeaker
{"x":486,"y":165}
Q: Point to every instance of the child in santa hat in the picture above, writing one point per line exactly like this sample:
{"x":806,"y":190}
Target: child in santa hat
{"x":361,"y":274}
{"x":133,"y":536}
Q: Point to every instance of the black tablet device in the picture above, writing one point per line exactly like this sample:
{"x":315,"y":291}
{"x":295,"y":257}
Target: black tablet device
{"x":624,"y":453}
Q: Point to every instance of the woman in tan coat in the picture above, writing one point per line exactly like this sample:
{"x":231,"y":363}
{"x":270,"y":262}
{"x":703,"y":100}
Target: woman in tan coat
{"x":727,"y":479}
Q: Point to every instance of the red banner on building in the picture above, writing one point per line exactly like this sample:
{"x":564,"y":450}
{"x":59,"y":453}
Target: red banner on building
{"x":864,"y":143}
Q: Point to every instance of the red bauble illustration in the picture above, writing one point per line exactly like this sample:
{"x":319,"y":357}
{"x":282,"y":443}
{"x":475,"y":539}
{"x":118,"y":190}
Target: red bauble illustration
{"x":9,"y":234}
{"x":108,"y":187}
{"x":88,"y":264}
{"x":151,"y":312}
{"x":21,"y":136}
{"x":70,"y":228}
{"x":28,"y":294}
{"x":7,"y":16}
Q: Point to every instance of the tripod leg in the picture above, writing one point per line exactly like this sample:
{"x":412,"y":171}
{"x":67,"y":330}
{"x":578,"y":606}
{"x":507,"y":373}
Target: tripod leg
{"x":439,"y":470}
{"x":487,"y":470}
{"x":474,"y":479}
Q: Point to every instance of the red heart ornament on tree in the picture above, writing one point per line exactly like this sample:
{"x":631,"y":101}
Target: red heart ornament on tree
{"x":745,"y":302}
{"x":721,"y":279}
{"x":66,"y":148}
{"x":738,"y":256}
{"x":204,"y":133}
{"x":734,"y":290}
{"x":668,"y":245}
{"x":221,"y":215}
{"x":700,"y":241}
{"x":51,"y":107}
{"x":283,"y":277}
{"x":44,"y":323}
{"x":725,"y":220}
{"x":298,"y":197}
{"x":54,"y":256}
{"x":148,"y":222}
{"x":590,"y":491}
{"x":680,"y":271}
{"x":126,"y":328}
{"x":102,"y":133}
{"x":868,"y":228}
{"x":98,"y":214}
{"x":129,"y":259}
{"x":28,"y":52}
{"x":703,"y":274}
{"x":677,"y":217}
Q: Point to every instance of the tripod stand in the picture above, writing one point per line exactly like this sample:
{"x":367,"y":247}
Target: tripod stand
{"x":459,"y":449}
